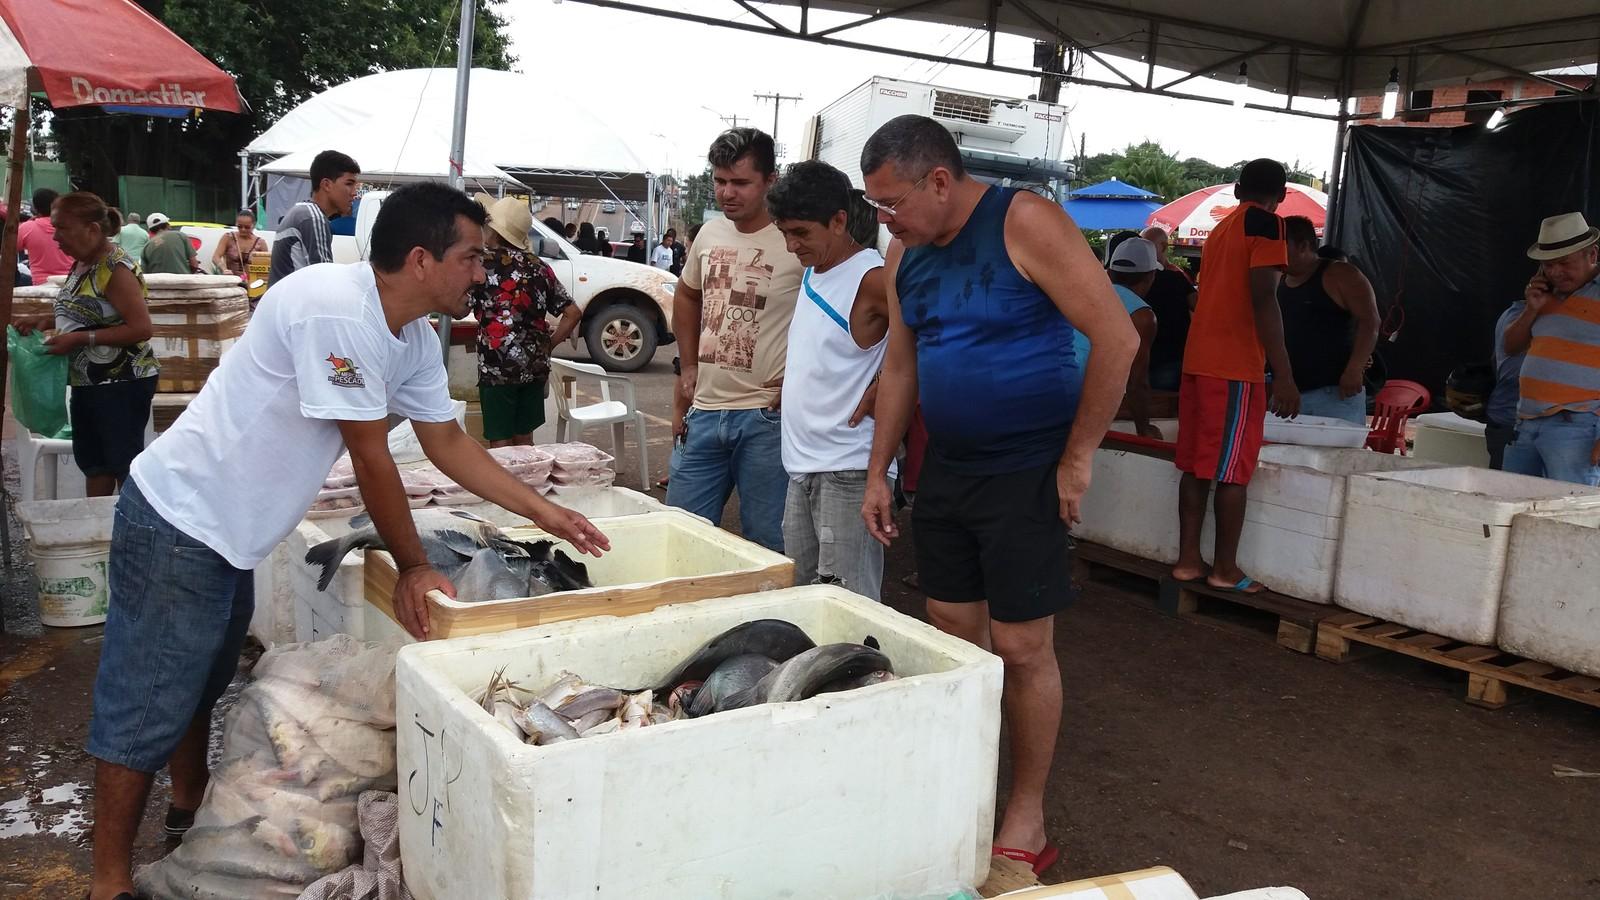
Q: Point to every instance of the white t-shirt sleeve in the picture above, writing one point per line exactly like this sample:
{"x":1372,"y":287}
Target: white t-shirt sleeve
{"x":338,"y":367}
{"x":424,"y":394}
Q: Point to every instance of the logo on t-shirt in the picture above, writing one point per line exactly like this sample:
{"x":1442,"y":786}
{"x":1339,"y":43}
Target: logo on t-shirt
{"x":735,"y":292}
{"x":344,"y":373}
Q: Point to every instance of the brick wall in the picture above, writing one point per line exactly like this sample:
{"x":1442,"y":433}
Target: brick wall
{"x":1452,"y":95}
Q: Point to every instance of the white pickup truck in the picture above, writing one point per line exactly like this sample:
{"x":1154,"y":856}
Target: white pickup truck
{"x":627,"y":306}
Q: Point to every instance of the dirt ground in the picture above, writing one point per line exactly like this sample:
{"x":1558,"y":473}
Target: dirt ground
{"x":1195,"y":743}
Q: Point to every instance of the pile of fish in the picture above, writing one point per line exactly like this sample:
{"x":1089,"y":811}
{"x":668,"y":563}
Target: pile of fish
{"x":483,"y":562}
{"x":764,"y":661}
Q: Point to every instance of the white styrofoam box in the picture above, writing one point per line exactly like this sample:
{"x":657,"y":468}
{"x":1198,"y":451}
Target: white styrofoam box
{"x":1314,"y":431}
{"x":1266,"y":893}
{"x":884,"y":791}
{"x":1132,"y":502}
{"x":1295,"y":515}
{"x":81,"y":522}
{"x":347,"y":591}
{"x":1158,"y":883}
{"x":1427,"y":547}
{"x":1550,"y":607}
{"x":1450,"y":439}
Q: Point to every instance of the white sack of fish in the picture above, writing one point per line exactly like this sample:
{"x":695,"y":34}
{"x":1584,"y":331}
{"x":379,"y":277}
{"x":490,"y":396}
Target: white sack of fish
{"x":483,"y":562}
{"x":765,"y":661}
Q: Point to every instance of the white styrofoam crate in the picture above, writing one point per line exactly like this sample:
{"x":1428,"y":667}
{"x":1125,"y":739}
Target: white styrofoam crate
{"x":1449,"y":439}
{"x":1550,"y":608}
{"x":1132,"y":502}
{"x":1427,"y":548}
{"x":1295,"y":515}
{"x":883,"y":791}
{"x":286,"y":579}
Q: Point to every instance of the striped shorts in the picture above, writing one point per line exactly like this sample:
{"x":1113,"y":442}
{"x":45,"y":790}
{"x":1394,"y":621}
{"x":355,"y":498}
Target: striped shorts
{"x":1220,"y":423}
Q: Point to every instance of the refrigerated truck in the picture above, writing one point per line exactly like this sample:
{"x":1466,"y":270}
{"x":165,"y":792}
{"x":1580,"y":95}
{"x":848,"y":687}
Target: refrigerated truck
{"x":1002,"y":139}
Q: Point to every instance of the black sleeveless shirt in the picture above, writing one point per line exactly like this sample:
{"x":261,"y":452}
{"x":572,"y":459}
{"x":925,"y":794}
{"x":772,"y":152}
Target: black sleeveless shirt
{"x":1318,"y":334}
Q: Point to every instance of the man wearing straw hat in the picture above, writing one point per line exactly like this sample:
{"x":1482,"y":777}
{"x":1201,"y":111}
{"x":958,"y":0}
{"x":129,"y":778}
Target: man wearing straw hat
{"x":514,"y":338}
{"x":1558,"y":417}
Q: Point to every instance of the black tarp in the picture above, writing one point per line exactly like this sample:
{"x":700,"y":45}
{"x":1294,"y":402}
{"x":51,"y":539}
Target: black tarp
{"x":1440,"y":219}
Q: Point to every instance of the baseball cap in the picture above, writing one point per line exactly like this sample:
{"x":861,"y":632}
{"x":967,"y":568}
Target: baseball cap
{"x":1135,"y":255}
{"x":156,"y":220}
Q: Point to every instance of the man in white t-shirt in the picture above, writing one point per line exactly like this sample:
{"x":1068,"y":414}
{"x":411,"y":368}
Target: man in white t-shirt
{"x":662,"y":256}
{"x":837,"y":340}
{"x":331,"y":353}
{"x":731,"y":316}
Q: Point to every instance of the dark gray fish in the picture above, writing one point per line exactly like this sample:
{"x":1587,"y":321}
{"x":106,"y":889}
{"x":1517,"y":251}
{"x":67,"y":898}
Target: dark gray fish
{"x":805,"y":675}
{"x":449,"y":538}
{"x":487,"y":576}
{"x":735,"y":674}
{"x":850,"y":684}
{"x":775,"y":639}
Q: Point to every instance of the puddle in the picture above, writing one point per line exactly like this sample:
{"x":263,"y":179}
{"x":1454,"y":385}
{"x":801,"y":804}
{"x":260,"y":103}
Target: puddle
{"x":58,"y":810}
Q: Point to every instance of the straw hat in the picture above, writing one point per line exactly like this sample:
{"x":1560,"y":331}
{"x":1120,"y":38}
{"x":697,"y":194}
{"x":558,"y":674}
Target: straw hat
{"x":1562,"y":235}
{"x":511,"y":219}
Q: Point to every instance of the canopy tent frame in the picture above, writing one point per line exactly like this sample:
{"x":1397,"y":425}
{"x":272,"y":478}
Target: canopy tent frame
{"x":1294,"y":81}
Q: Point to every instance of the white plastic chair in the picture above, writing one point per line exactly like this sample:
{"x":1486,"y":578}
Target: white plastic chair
{"x":33,"y":449}
{"x":617,"y":413}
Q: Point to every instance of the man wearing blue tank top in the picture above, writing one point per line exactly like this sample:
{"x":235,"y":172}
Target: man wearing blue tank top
{"x":986,"y":288}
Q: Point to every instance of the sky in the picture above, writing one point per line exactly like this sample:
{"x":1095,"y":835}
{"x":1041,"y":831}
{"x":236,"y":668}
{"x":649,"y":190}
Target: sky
{"x":664,"y":84}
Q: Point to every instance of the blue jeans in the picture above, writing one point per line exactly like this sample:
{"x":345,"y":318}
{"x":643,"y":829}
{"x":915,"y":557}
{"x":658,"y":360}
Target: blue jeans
{"x":723,"y":449}
{"x":1326,"y":402}
{"x":177,"y":619}
{"x":825,"y":535}
{"x":1556,"y":446}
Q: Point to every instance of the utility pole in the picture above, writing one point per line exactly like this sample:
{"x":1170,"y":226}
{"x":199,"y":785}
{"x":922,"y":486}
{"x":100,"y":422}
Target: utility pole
{"x":1049,"y":57}
{"x":777,"y":104}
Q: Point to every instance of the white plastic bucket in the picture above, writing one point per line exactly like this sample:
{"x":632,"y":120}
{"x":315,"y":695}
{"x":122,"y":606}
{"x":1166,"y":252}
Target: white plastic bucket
{"x":72,"y":584}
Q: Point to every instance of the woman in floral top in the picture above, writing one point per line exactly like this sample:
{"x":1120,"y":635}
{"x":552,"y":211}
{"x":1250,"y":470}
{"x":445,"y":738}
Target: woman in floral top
{"x":102,"y":325}
{"x":514,"y":337}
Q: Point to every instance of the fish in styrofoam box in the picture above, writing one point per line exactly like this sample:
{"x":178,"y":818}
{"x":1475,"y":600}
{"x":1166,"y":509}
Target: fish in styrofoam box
{"x":833,"y":796}
{"x":1426,"y":548}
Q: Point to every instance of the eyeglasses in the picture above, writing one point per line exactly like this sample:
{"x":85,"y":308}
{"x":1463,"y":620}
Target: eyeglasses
{"x":888,"y":209}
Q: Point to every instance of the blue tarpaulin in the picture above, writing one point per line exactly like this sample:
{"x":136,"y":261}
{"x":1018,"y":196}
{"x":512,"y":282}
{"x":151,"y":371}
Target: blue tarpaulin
{"x":1111,"y":206}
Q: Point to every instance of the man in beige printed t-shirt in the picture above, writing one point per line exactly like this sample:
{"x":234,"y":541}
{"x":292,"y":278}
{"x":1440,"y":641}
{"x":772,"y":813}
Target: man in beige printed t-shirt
{"x":731,"y":317}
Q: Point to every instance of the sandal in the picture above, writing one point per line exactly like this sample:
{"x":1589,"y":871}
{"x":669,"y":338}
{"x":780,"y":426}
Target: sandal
{"x":1038,"y":862}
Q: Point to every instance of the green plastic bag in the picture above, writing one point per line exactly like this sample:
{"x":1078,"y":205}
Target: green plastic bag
{"x":38,"y":385}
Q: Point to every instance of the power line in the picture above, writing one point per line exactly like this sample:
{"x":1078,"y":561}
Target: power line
{"x":777,"y":104}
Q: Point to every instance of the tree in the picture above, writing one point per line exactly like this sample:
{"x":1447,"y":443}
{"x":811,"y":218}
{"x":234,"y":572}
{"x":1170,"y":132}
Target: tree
{"x":1148,"y":166}
{"x":281,"y":53}
{"x":697,"y":195}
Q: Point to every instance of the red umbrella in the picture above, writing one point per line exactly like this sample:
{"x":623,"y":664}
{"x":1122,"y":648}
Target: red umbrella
{"x":1190,"y":218}
{"x":91,"y":53}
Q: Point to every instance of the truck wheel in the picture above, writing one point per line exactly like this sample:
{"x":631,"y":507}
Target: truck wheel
{"x":621,"y":338}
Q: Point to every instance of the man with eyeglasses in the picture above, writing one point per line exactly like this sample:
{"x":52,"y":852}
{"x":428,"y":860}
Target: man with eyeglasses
{"x":987,"y":286}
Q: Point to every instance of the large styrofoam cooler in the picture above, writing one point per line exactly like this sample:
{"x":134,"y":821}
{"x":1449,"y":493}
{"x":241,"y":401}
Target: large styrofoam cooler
{"x":1450,"y":439}
{"x":1427,"y":548}
{"x":1132,"y":502}
{"x":1550,"y":608}
{"x":1295,"y":515}
{"x":884,"y":791}
{"x":289,"y":607}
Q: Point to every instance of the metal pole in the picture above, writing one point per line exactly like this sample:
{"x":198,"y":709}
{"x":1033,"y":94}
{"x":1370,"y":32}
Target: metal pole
{"x":244,"y":179}
{"x":650,"y":212}
{"x":458,"y":131}
{"x":1336,"y":176}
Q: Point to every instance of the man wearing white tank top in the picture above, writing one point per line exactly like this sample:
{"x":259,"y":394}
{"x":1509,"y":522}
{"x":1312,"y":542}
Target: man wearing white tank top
{"x":837,"y":340}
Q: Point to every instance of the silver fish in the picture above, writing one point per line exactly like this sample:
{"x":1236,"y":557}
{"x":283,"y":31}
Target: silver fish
{"x":805,"y":675}
{"x":543,"y":725}
{"x":449,"y":539}
{"x":580,"y":705}
{"x":773,"y":638}
{"x":591,"y":719}
{"x":487,"y":576}
{"x":735,"y":674}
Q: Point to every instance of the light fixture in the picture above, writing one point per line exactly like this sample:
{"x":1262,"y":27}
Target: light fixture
{"x":1496,"y":119}
{"x":1241,"y":83}
{"x":1391,"y":93}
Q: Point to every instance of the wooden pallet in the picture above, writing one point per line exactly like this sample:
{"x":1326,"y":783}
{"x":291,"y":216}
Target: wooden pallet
{"x":1489,"y":671}
{"x":1297,"y":619}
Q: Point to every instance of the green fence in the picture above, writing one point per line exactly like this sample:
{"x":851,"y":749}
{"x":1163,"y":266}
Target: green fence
{"x":41,"y":174}
{"x":181,"y":201}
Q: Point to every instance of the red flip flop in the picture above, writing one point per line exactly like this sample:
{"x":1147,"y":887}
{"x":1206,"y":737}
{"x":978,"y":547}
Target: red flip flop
{"x":1040,"y":861}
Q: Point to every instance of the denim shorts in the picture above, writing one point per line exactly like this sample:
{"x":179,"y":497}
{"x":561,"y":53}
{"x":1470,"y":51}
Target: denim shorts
{"x":177,"y":620}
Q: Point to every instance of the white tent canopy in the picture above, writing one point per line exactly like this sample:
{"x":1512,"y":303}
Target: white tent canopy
{"x":404,"y":118}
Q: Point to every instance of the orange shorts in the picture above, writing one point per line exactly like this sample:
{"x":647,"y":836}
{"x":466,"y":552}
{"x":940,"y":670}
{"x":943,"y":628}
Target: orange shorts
{"x":1220,"y":423}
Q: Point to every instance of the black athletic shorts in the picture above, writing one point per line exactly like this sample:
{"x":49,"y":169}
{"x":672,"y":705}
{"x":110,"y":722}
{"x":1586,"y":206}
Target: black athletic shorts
{"x":998,"y":538}
{"x":108,"y":422}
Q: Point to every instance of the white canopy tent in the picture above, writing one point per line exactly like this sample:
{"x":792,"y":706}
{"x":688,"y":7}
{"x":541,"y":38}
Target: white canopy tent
{"x":404,"y":117}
